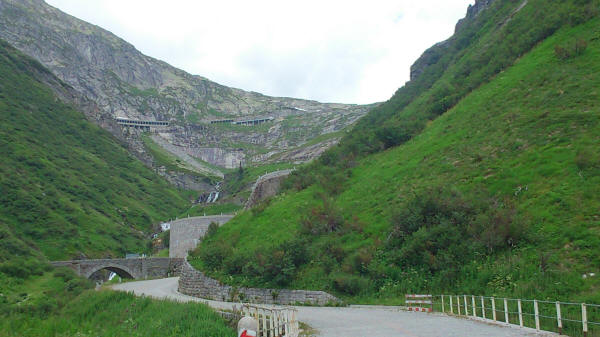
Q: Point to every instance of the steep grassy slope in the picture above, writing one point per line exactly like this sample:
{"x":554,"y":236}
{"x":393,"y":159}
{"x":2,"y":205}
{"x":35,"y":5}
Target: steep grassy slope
{"x":110,"y":313}
{"x":67,"y":187}
{"x":497,"y":196}
{"x":58,"y":303}
{"x":484,"y":44}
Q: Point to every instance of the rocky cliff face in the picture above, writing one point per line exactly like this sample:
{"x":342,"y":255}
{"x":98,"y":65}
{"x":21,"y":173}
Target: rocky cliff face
{"x":122,"y":82}
{"x":433,"y":54}
{"x":473,"y":11}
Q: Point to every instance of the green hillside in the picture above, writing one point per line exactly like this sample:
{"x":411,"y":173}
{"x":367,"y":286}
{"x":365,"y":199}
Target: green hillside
{"x":482,"y":46}
{"x":68,"y":187}
{"x":498,"y":195}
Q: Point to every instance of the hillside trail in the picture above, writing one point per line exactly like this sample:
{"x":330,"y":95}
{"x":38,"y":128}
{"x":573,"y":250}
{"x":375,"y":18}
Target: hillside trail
{"x":353,"y":321}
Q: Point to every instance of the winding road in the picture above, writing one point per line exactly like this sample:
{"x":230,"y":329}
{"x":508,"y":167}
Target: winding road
{"x":354,"y":321}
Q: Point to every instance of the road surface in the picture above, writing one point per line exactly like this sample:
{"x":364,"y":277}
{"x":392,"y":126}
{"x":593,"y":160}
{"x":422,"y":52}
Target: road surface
{"x":358,"y":321}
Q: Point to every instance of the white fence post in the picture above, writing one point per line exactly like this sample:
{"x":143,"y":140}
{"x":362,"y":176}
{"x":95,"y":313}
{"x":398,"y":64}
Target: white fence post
{"x":258,"y":320}
{"x":458,"y":304}
{"x":272,"y":323}
{"x":451,"y":307}
{"x":474,"y":306}
{"x":264,"y":322}
{"x":506,"y":311}
{"x":281,"y":323}
{"x":536,"y":311}
{"x":442,"y":303}
{"x":296,"y":330}
{"x":558,"y":317}
{"x":466,"y":307}
{"x":520,"y":313}
{"x":482,"y":307}
{"x":493,"y":308}
{"x":584,"y":320}
{"x":286,"y":322}
{"x":278,"y":323}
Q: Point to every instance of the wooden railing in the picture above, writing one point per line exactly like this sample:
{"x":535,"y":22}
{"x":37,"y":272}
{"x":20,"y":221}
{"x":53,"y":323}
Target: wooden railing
{"x":272,"y":321}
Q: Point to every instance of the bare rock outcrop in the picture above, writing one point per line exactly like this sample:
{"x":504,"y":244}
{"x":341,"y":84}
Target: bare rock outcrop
{"x":123,"y":82}
{"x":266,"y":186}
{"x":434,"y":53}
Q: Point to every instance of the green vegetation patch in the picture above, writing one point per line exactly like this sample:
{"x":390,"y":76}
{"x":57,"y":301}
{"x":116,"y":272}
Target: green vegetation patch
{"x":59,"y":304}
{"x":110,"y":313}
{"x":498,"y":196}
{"x":211,"y":209}
{"x":68,"y":187}
{"x":242,"y":178}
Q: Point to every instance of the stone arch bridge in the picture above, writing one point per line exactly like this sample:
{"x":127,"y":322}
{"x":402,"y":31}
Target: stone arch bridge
{"x":138,"y":268}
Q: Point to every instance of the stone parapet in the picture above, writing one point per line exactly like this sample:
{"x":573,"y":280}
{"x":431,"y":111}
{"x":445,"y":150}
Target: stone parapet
{"x":139,"y":268}
{"x":194,"y":283}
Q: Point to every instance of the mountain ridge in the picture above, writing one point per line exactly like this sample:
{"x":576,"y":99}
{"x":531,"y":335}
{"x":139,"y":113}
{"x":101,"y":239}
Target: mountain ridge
{"x":123,"y":82}
{"x":69,"y":187}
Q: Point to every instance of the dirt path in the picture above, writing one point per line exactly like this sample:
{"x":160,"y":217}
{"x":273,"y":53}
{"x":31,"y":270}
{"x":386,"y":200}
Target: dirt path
{"x":359,"y":321}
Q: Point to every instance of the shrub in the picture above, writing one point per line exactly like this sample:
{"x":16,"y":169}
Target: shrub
{"x":587,"y":159}
{"x":213,"y":255}
{"x":165,"y":238}
{"x":350,"y":284}
{"x":361,"y":260}
{"x":280,"y":268}
{"x":440,"y":230}
{"x":571,"y":49}
{"x":64,"y":273}
{"x":213,"y":227}
{"x":234,"y":263}
{"x":258,"y":209}
{"x":323,"y":219}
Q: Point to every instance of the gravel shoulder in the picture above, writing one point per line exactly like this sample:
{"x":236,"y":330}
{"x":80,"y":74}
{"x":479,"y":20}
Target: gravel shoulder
{"x":357,"y":321}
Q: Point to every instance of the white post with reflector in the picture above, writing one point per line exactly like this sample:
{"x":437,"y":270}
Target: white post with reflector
{"x":247,"y":327}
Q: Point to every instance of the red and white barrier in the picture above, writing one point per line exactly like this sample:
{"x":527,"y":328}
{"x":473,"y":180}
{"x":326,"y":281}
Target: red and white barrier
{"x":419,"y":299}
{"x":420,"y":309}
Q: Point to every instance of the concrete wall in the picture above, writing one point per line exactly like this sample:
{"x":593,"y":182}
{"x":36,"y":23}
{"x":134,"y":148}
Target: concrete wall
{"x":194,"y":283}
{"x":186,"y":233}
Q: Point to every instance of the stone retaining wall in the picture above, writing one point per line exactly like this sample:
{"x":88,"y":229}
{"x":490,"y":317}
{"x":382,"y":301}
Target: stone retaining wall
{"x":194,"y":283}
{"x":266,"y":186}
{"x":186,"y":233}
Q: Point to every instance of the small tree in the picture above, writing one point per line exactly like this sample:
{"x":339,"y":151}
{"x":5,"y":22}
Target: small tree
{"x":240,"y":171}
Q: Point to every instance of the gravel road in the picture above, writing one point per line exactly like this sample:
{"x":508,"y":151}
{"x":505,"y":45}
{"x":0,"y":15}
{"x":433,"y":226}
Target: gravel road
{"x":358,"y":321}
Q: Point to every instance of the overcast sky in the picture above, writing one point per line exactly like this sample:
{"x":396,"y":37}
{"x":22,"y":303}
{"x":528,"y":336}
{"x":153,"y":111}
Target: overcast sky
{"x":331,"y":51}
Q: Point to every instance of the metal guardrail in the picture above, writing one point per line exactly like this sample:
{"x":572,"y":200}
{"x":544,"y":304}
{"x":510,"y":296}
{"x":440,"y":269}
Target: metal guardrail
{"x":569,"y":318}
{"x":272,"y":321}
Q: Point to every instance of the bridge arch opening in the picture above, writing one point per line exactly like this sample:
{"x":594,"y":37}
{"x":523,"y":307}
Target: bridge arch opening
{"x":102,"y":273}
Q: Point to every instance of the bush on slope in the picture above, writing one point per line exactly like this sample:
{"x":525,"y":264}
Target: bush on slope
{"x":497,"y":196}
